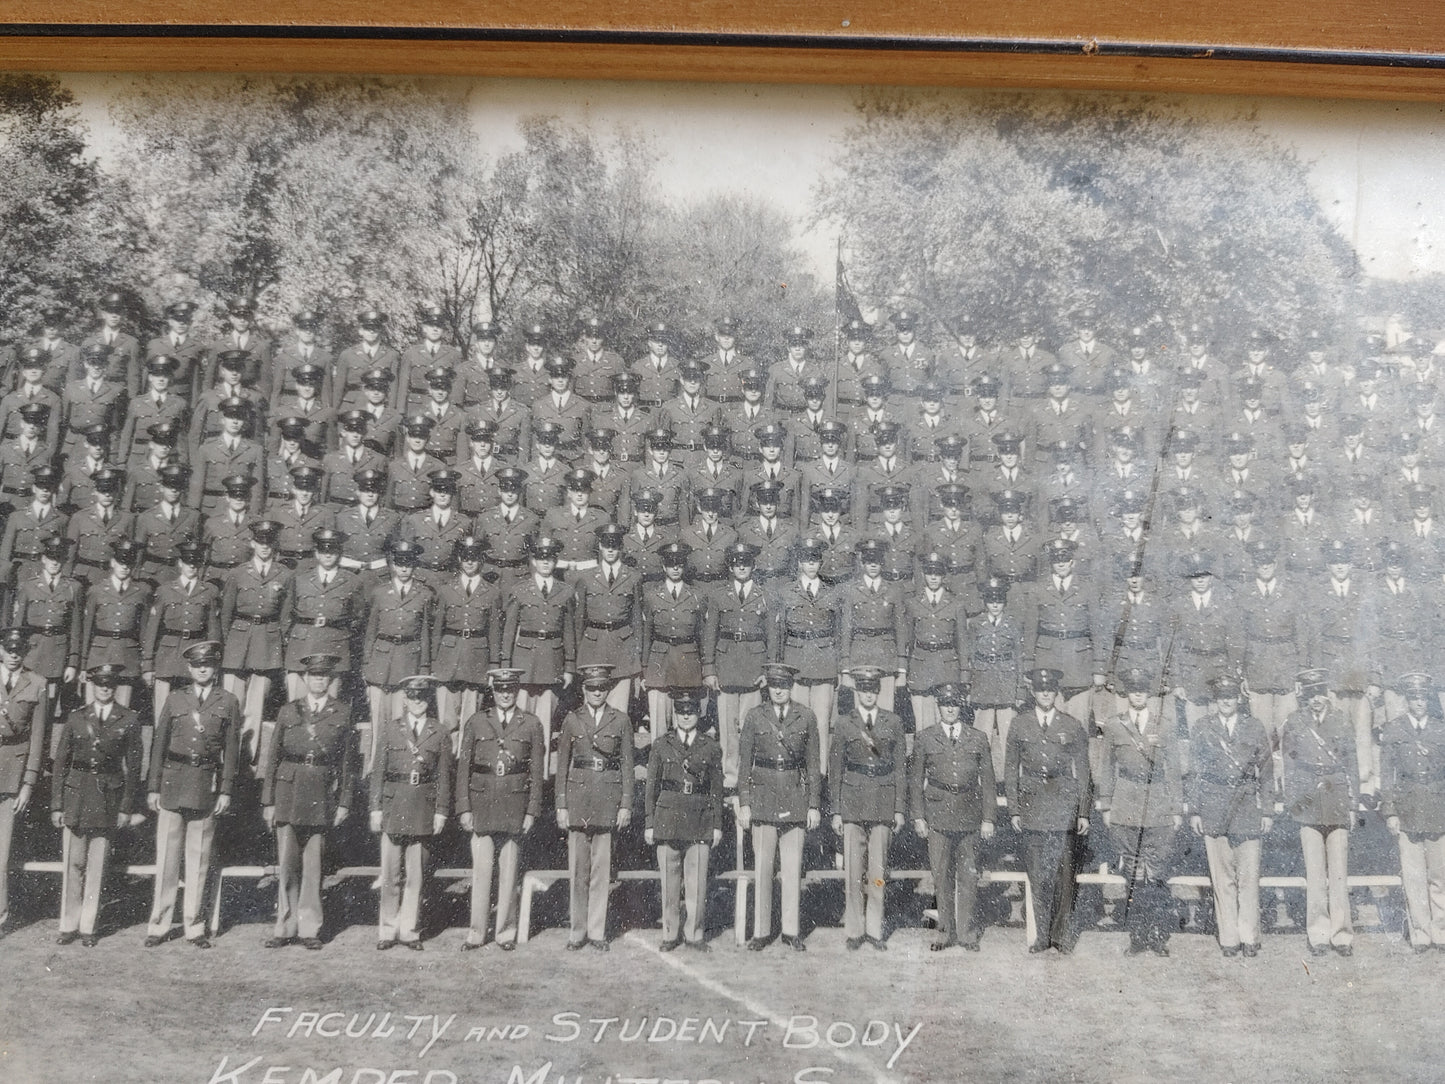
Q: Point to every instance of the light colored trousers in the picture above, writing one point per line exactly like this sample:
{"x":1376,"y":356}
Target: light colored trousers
{"x":1327,"y":890}
{"x":505,"y":851}
{"x":402,"y":867}
{"x":683,"y":867}
{"x":298,"y":880}
{"x":820,"y":696}
{"x":1234,"y":878}
{"x":84,"y":858}
{"x":589,"y":869}
{"x":732,"y":708}
{"x":780,"y":847}
{"x":865,"y":868}
{"x":196,"y":834}
{"x":1422,"y":872}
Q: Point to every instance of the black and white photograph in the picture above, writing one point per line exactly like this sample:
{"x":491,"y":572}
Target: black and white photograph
{"x":565,"y":582}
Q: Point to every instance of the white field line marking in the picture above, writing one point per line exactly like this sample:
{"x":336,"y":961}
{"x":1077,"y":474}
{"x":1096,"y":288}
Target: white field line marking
{"x":845,"y":1054}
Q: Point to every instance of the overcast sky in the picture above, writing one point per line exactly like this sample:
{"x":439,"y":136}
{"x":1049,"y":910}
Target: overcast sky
{"x":1376,"y":166}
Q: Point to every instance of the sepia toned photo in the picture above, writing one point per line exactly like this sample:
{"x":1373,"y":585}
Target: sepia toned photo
{"x":547,"y":581}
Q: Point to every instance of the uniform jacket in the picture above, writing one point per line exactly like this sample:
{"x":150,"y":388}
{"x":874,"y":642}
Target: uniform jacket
{"x":684,"y":797}
{"x":672,"y":634}
{"x":993,"y":664}
{"x":1231,"y":785}
{"x":609,"y":616}
{"x":1412,"y":776}
{"x":545,"y":657}
{"x":97,"y":769}
{"x":594,"y":768}
{"x":177,"y":619}
{"x":1320,"y":777}
{"x":322,"y":619}
{"x":52,"y":614}
{"x":875,"y":625}
{"x":809,"y":630}
{"x":466,"y":631}
{"x":1277,"y":635}
{"x":310,"y":763}
{"x":934,"y":641}
{"x":22,"y":731}
{"x":739,"y":635}
{"x":397,"y":640}
{"x":868,"y":768}
{"x":114,"y":620}
{"x":951,"y":784}
{"x":1140,"y":782}
{"x":252,"y":605}
{"x":499,"y":772}
{"x":781,"y":776}
{"x":193,"y":756}
{"x":1059,"y":631}
{"x":411,"y":778}
{"x":1046,"y":772}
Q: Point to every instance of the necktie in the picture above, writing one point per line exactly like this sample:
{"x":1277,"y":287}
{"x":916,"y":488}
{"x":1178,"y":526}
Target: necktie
{"x":741,"y":593}
{"x":611,"y":576}
{"x":546,"y":589}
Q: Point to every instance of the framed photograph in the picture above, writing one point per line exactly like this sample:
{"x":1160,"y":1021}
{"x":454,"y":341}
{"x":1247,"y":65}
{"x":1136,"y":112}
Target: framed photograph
{"x":739,"y":545}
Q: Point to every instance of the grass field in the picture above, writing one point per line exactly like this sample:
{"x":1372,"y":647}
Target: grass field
{"x":120,"y":1013}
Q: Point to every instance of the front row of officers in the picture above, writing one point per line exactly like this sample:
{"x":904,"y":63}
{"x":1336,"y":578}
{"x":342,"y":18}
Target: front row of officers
{"x":1151,"y":775}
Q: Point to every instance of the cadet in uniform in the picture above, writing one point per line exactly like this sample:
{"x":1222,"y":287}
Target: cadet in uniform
{"x":738,"y":637}
{"x":225,"y":455}
{"x":97,"y":778}
{"x":609,"y":609}
{"x":993,"y":667}
{"x":808,"y":631}
{"x":951,"y":788}
{"x":1046,"y":783}
{"x":780,"y":791}
{"x":873,"y":620}
{"x":22,"y":746}
{"x":1412,"y":798}
{"x":539,"y":633}
{"x":1321,"y":786}
{"x":48,"y":606}
{"x":466,"y":633}
{"x":255,"y":598}
{"x":192,"y":770}
{"x":115,"y":613}
{"x":308,"y":788}
{"x":868,"y":789}
{"x":933,"y":645}
{"x":397,"y":640}
{"x":683,"y":804}
{"x":185,"y":609}
{"x":324,"y":614}
{"x":411,"y":786}
{"x":1231,"y":780}
{"x":594,"y":799}
{"x":1140,"y":794}
{"x":674,"y":613}
{"x":499,"y":777}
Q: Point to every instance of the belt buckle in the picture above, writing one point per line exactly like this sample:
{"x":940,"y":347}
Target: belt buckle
{"x":501,"y":768}
{"x":598,"y":764}
{"x":310,"y":760}
{"x":415,"y":778}
{"x":321,"y":621}
{"x":687,"y":786}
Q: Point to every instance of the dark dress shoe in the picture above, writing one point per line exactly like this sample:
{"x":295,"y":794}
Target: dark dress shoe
{"x":277,"y":942}
{"x":939,"y":946}
{"x":507,"y":946}
{"x":699,"y":946}
{"x":970,"y":946}
{"x":312,"y":943}
{"x":1135,"y":950}
{"x":668,"y":946}
{"x":1231,"y":950}
{"x":153,"y":940}
{"x":795,"y":943}
{"x":855,"y":943}
{"x":1250,"y":950}
{"x":600,"y":946}
{"x":89,"y":941}
{"x":1040,"y":947}
{"x":69,"y":937}
{"x":575,"y":945}
{"x":472,"y":946}
{"x":1345,"y":950}
{"x":383,"y":946}
{"x":1160,"y":950}
{"x":1319,"y":950}
{"x":757,"y":944}
{"x":415,"y":946}
{"x":878,"y":943}
{"x":199,"y":942}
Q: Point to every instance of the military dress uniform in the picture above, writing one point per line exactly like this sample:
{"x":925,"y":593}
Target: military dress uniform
{"x":192,"y":765}
{"x":595,"y":759}
{"x":951,"y":791}
{"x":739,"y":636}
{"x":505,"y":533}
{"x":324,"y":613}
{"x":411,"y":786}
{"x":1412,"y":796}
{"x":499,"y":786}
{"x":539,"y":637}
{"x":609,"y":613}
{"x":673,"y":616}
{"x":395,"y":644}
{"x":310,"y":776}
{"x":780,"y":784}
{"x":874,"y":630}
{"x":868,"y":791}
{"x":809,"y":626}
{"x":993,"y":670}
{"x":49,"y":609}
{"x":1140,"y":791}
{"x":160,"y":529}
{"x":1320,"y":784}
{"x":1046,"y":785}
{"x":933,"y":646}
{"x":466,"y":638}
{"x":222,"y":457}
{"x":683,"y":808}
{"x":182,"y":612}
{"x":97,"y":778}
{"x":1231,"y":781}
{"x":94,"y":532}
{"x":254,"y":601}
{"x":22,"y":746}
{"x":111,"y":628}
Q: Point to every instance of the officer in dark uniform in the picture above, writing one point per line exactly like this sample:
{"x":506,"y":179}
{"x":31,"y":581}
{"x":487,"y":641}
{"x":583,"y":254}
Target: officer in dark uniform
{"x":254,"y":600}
{"x":868,"y":789}
{"x":411,"y":790}
{"x":115,"y":613}
{"x":498,"y":799}
{"x":546,"y":469}
{"x":184,"y":609}
{"x":739,"y":637}
{"x":166,"y":524}
{"x":304,"y":417}
{"x":437,"y":528}
{"x":809,"y":627}
{"x":673,"y":615}
{"x":1046,"y":783}
{"x":158,"y":406}
{"x":87,"y":401}
{"x":192,"y":771}
{"x":49,"y":607}
{"x":951,"y":792}
{"x":466,"y":634}
{"x":512,"y":417}
{"x":370,"y":353}
{"x":1412,"y":798}
{"x":539,"y":632}
{"x":773,"y":538}
{"x":225,"y":455}
{"x":95,"y":530}
{"x":308,"y":787}
{"x":559,"y":405}
{"x":22,"y":745}
{"x":780,"y":791}
{"x":303,"y":350}
{"x":446,"y":441}
{"x":369,"y":529}
{"x":409,"y":488}
{"x":397,"y":640}
{"x":227,"y":532}
{"x":642,"y":548}
{"x":505,"y":527}
{"x":301,"y":516}
{"x":596,"y":365}
{"x":421,"y":357}
{"x":609,"y":611}
{"x":683,"y":806}
{"x":28,"y":526}
{"x":353,"y":456}
{"x":31,"y":412}
{"x":575,"y":524}
{"x":625,"y":418}
{"x":97,"y":780}
{"x":477,"y":468}
{"x":594,"y":799}
{"x":325,"y":612}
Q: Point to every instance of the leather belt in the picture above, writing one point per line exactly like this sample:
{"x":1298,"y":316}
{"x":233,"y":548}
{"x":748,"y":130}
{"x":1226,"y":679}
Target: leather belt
{"x":465,"y":634}
{"x":322,"y":622}
{"x":544,"y":634}
{"x":256,"y":619}
{"x":397,"y":639}
{"x":979,"y":656}
{"x":685,"y":786}
{"x":596,"y":764}
{"x":194,"y":760}
{"x":609,"y":626}
{"x":48,"y":630}
{"x":416,"y":777}
{"x":779,"y":764}
{"x":934,"y":645}
{"x":311,"y":760}
{"x":952,"y":788}
{"x":810,"y":634}
{"x":872,"y":632}
{"x":166,"y":630}
{"x":95,"y":767}
{"x":499,"y":768}
{"x":873,"y":770}
{"x":93,"y":564}
{"x":515,"y":562}
{"x":739,"y":636}
{"x":674,"y":641}
{"x":15,"y":491}
{"x":1074,"y":634}
{"x":129,"y":635}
